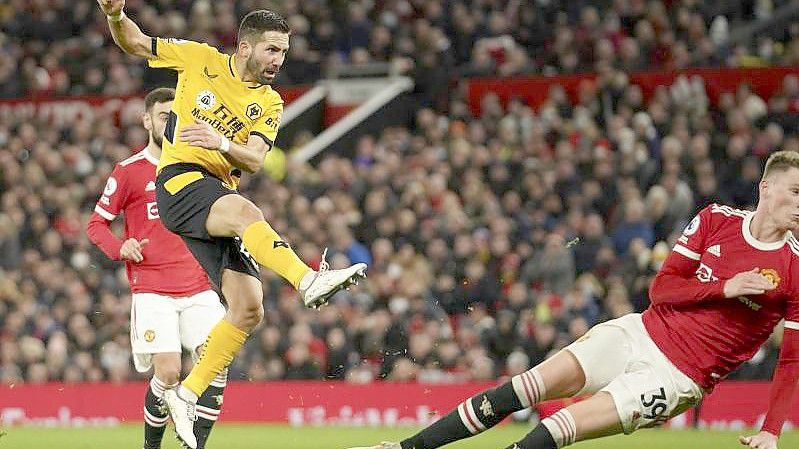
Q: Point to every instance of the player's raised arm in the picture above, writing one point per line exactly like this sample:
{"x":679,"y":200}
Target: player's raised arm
{"x":127,"y":35}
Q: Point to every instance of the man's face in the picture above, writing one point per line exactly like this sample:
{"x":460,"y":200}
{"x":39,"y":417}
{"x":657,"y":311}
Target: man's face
{"x":155,"y":121}
{"x":267,"y":56}
{"x":781,"y":194}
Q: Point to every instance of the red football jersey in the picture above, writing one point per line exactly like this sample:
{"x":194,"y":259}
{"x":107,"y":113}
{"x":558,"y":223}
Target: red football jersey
{"x":168,"y":267}
{"x":704,"y":334}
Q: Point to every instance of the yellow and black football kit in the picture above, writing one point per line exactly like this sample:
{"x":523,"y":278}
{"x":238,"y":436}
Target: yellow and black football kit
{"x":210,"y":90}
{"x":191,"y":178}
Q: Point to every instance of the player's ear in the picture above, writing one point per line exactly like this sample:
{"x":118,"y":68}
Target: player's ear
{"x":245,"y":49}
{"x":147,"y":121}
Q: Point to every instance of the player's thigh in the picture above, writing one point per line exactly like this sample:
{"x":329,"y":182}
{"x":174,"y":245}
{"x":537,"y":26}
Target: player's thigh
{"x":202,"y":313}
{"x":185,"y":194}
{"x":596,"y":417}
{"x":603,"y":353}
{"x":241,"y":290}
{"x":230,"y":215}
{"x":154,"y":328}
{"x":651,"y":394}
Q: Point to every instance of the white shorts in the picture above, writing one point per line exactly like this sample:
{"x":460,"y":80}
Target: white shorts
{"x":619,"y":357}
{"x":161,"y":323}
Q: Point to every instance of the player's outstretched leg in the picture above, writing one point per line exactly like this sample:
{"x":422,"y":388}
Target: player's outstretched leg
{"x":155,"y":416}
{"x":234,"y":215}
{"x":208,"y":408}
{"x":593,"y":418}
{"x":561,"y":376}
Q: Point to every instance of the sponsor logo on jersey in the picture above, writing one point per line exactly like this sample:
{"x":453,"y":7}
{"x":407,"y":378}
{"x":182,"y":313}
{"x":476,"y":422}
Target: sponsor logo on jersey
{"x":152,"y":211}
{"x":222,"y":120}
{"x":149,"y":187}
{"x":749,"y":303}
{"x":715,"y":250}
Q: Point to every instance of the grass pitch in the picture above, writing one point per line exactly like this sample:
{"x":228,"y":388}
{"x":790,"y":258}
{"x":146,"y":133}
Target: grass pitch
{"x":229,"y":436}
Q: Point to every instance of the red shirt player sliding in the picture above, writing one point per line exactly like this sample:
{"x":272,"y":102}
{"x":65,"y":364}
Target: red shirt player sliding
{"x":733,"y":276}
{"x":173,"y":305}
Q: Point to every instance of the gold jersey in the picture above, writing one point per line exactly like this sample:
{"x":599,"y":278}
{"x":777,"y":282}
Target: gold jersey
{"x":209,"y":89}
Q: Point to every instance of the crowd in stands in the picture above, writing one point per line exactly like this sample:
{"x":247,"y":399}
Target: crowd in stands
{"x":62,"y":47}
{"x":493,"y":240}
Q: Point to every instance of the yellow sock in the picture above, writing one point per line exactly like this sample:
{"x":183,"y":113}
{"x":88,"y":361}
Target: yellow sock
{"x":223,"y":343}
{"x":269,"y":250}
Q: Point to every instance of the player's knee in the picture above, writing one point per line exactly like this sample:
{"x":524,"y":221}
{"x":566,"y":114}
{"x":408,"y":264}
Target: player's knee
{"x":248,"y":316}
{"x":246,"y":214}
{"x":169,"y":375}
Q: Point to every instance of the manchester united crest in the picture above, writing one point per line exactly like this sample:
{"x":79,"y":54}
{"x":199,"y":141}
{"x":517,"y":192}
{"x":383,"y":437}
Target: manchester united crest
{"x":772,"y":275}
{"x":149,"y":335}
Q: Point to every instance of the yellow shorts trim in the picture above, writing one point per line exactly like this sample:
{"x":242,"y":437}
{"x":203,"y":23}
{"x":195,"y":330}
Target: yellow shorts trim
{"x":177,"y":183}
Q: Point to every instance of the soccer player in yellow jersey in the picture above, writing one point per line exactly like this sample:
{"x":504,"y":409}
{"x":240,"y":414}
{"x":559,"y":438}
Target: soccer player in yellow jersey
{"x":223,"y":121}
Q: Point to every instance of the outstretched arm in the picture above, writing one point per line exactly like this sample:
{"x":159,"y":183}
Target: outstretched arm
{"x":127,"y":35}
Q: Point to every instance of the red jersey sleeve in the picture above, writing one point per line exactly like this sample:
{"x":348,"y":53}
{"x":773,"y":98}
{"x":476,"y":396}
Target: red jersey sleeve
{"x":115,"y":195}
{"x":677,"y":281}
{"x":783,"y":385}
{"x":111,"y":203}
{"x":99,"y":232}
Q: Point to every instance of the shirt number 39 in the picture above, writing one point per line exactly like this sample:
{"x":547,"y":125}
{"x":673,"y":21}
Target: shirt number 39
{"x":655,"y":406}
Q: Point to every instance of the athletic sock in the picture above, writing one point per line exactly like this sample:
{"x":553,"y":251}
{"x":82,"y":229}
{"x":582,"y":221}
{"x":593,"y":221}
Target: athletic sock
{"x":554,"y":432}
{"x":208,"y":407}
{"x":223,"y":343}
{"x":471,"y":417}
{"x":270,"y":251}
{"x":155,"y":415}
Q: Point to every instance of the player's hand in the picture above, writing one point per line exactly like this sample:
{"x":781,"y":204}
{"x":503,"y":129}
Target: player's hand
{"x":201,"y":134}
{"x":111,"y":7}
{"x":132,"y":248}
{"x":763,"y":440}
{"x":747,"y":283}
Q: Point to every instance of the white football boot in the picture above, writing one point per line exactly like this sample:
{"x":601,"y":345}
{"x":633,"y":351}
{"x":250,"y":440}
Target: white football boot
{"x":326,"y":282}
{"x":183,"y":414}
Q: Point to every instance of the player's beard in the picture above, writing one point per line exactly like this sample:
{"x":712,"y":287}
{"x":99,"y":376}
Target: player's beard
{"x":158,"y":138}
{"x":257,"y":71}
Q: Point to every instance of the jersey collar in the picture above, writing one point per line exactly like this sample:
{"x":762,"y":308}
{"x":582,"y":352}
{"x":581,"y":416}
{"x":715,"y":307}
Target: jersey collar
{"x":150,"y":158}
{"x":235,"y":74}
{"x":755,"y":243}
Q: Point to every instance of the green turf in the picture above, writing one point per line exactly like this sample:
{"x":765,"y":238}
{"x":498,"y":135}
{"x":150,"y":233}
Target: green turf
{"x":283,"y":437}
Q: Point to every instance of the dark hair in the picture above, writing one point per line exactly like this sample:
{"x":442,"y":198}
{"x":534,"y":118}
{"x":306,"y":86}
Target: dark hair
{"x":261,"y":20}
{"x":159,"y":95}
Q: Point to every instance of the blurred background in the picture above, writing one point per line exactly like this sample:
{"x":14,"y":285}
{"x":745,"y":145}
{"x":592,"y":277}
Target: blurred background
{"x":525,"y":181}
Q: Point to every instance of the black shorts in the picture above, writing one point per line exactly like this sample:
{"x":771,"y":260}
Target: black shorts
{"x":185,"y":194}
